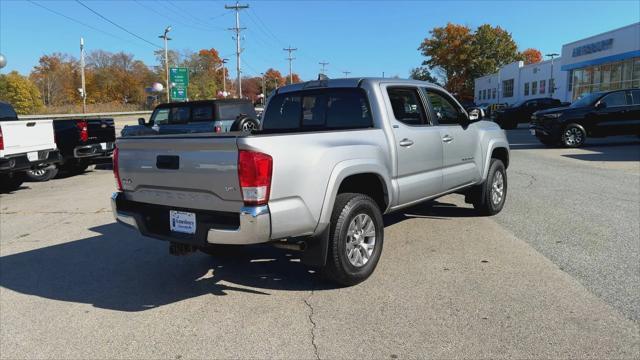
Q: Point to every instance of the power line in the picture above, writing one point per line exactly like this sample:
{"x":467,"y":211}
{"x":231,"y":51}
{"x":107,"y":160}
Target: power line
{"x":76,"y":21}
{"x":186,"y":14}
{"x":173,"y":19}
{"x":118,"y":26}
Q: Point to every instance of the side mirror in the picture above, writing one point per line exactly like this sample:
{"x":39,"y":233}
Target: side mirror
{"x":141,"y":121}
{"x":476,"y":114}
{"x":601,"y":105}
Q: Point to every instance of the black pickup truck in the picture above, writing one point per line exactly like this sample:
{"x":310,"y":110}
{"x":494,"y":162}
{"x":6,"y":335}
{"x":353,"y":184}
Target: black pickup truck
{"x":520,"y":112}
{"x":82,"y":142}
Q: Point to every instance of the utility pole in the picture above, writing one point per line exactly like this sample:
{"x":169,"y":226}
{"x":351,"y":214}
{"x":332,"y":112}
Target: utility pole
{"x":83,"y":89}
{"x":324,"y":64}
{"x":237,"y":7}
{"x":346,"y":73}
{"x":552,"y":86}
{"x":166,"y":59}
{"x":224,"y":77}
{"x":290,"y":50}
{"x":264,"y":90}
{"x":383,"y":74}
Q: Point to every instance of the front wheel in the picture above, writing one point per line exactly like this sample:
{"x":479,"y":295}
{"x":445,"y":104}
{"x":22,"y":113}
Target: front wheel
{"x":573,"y":136}
{"x":44,"y":174}
{"x":493,"y":193}
{"x":355,"y":240}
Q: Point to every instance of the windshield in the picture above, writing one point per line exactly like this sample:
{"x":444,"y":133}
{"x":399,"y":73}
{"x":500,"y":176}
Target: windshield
{"x":586,"y":100}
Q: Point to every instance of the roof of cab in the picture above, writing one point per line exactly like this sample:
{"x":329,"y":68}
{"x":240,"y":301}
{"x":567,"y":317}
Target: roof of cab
{"x":350,"y":83}
{"x":196,"y":102}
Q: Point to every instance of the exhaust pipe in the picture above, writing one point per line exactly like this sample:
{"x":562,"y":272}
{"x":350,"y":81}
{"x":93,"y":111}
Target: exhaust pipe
{"x":298,"y":246}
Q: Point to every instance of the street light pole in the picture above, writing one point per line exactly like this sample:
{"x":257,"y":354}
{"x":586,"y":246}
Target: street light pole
{"x":84,"y":89}
{"x":264,"y":90}
{"x":166,"y":59}
{"x":551,"y":80}
{"x":224,"y":77}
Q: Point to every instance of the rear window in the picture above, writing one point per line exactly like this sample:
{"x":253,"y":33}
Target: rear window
{"x":7,"y":113}
{"x":318,"y":110}
{"x":202,"y":113}
{"x":230,"y":111}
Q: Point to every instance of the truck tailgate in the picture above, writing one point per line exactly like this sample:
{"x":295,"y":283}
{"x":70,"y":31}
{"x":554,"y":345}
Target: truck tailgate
{"x":193,"y":172}
{"x":23,"y":136}
{"x":101,"y":130}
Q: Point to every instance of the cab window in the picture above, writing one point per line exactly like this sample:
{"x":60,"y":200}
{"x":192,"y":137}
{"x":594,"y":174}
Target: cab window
{"x":443,"y":109}
{"x":615,"y":99}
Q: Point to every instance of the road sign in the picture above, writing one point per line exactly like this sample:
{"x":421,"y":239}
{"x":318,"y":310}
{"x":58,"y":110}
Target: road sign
{"x":179,"y":80}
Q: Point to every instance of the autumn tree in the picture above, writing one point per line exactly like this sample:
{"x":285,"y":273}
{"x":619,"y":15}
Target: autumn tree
{"x":273,"y":78}
{"x":531,"y":56}
{"x":56,"y":76}
{"x":251,"y":88}
{"x":422,"y":73}
{"x":459,"y":55}
{"x":20,"y":92}
{"x":205,"y":74}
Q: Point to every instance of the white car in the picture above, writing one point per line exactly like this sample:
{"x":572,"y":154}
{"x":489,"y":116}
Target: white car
{"x":24,"y":145}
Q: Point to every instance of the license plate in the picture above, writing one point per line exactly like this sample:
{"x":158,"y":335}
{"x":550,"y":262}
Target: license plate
{"x":32,"y":156}
{"x":104,"y":146}
{"x":533,"y":132}
{"x":182,"y":221}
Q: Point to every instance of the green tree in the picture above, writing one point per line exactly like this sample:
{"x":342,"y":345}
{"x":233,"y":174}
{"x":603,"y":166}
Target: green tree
{"x":20,"y":92}
{"x":493,"y":48}
{"x":423,"y":73}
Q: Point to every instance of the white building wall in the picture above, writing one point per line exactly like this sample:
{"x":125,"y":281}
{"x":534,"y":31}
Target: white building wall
{"x":625,"y":44}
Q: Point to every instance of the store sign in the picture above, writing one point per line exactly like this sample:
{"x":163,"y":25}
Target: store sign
{"x":179,"y":79}
{"x":592,"y":48}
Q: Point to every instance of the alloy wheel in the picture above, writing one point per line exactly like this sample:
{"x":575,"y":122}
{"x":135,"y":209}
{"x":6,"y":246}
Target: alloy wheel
{"x":361,"y":240}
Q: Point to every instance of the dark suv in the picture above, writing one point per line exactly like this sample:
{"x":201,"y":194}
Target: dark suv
{"x":200,"y":116}
{"x":594,"y":115}
{"x":508,"y":118}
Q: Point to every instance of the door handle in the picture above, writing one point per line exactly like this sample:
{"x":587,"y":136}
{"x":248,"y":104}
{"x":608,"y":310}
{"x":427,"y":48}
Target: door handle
{"x":447,"y":139}
{"x":406,"y":142}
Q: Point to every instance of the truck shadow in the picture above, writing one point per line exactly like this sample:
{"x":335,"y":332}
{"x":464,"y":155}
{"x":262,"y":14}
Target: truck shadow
{"x":433,"y":209}
{"x":120,"y":270}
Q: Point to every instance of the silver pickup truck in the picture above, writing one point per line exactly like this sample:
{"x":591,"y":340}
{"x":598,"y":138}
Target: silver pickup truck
{"x":331,"y":157}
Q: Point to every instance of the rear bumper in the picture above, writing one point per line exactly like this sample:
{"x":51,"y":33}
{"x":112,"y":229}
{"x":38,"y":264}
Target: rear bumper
{"x":93,"y":150}
{"x":251,"y":226}
{"x":21,"y":162}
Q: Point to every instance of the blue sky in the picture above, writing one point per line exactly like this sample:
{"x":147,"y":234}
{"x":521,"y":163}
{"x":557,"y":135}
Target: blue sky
{"x":363,"y":37}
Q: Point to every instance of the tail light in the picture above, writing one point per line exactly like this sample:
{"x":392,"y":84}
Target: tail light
{"x":217,"y":129}
{"x":116,"y":170}
{"x":1,"y":140}
{"x":84,"y":130}
{"x":254,"y":173}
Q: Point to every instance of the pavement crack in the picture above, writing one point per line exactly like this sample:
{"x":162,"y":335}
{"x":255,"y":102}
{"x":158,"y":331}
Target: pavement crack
{"x":532,"y":178}
{"x":313,"y":325}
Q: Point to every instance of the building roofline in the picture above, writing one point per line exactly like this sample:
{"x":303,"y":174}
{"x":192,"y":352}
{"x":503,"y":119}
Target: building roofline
{"x":604,"y":33}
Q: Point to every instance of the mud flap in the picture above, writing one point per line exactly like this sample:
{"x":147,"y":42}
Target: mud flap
{"x":315,"y":252}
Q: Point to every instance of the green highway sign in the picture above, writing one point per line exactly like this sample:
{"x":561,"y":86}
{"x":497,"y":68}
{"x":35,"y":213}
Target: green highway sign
{"x":179,"y":80}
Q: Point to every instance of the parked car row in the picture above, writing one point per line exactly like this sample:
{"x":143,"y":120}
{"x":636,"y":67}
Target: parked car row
{"x":598,"y":114}
{"x":38,"y":149}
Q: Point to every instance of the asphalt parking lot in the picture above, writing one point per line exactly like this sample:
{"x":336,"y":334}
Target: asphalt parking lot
{"x":555,"y":275}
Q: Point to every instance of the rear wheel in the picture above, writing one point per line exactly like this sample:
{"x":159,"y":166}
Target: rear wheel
{"x":43,"y":174}
{"x":355,"y":240}
{"x":573,"y":136}
{"x":11,"y":181}
{"x":245,"y":124}
{"x":492,"y":194}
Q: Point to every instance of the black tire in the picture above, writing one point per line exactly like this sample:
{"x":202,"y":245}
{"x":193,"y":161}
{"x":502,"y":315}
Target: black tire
{"x":339,"y":268}
{"x":245,"y":123}
{"x":74,"y":168}
{"x":11,"y":181}
{"x":484,"y":201}
{"x":42,"y":174}
{"x":573,"y":136}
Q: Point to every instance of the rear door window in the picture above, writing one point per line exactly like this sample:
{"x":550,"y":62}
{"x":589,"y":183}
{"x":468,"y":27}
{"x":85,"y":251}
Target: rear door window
{"x":348,"y":110}
{"x":180,"y":114}
{"x":7,"y":113}
{"x":202,"y":113}
{"x":635,"y":94}
{"x":406,"y":105}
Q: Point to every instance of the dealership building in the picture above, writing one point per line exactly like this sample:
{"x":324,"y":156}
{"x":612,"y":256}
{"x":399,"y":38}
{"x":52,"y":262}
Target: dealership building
{"x":606,"y":61}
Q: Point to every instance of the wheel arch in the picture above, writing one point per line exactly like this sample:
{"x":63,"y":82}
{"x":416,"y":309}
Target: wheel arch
{"x":497,"y":149}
